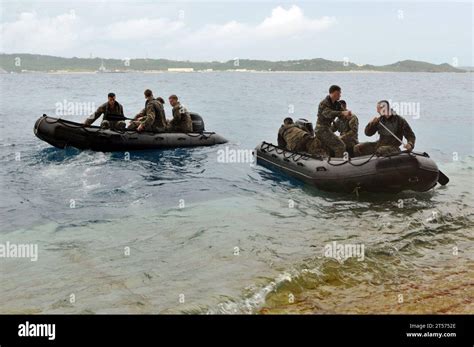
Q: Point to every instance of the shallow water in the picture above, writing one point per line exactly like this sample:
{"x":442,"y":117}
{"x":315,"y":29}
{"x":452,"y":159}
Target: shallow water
{"x":177,"y":231}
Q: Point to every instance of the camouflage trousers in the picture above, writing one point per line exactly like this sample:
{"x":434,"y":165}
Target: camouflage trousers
{"x":313,"y":147}
{"x":114,"y":125}
{"x":330,"y":141}
{"x":135,"y":124}
{"x":179,"y":128}
{"x":350,"y":143}
{"x":185,"y":126}
{"x":369,"y":148}
{"x":299,"y":145}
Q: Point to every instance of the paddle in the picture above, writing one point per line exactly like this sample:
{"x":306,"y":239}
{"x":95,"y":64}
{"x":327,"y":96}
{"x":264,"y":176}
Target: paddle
{"x":116,"y":118}
{"x":442,"y":178}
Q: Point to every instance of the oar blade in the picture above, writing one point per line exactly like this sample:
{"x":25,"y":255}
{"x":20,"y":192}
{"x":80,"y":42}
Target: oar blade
{"x":442,"y":178}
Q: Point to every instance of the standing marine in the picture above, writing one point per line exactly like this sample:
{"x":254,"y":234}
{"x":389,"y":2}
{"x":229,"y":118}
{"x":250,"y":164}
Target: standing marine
{"x":112,"y":112}
{"x":330,"y":109}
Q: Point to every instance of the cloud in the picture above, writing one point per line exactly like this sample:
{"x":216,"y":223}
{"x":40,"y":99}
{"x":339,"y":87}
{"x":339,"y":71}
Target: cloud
{"x":291,"y":22}
{"x":30,"y":33}
{"x":280,"y":24}
{"x":73,"y":35}
{"x":143,"y":28}
{"x":284,"y":30}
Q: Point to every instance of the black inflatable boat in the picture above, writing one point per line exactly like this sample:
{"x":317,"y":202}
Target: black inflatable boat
{"x":62,"y":133}
{"x":391,"y":174}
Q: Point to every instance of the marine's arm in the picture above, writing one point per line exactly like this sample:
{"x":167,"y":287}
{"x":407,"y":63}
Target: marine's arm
{"x":329,"y":113}
{"x":354,"y":128}
{"x":93,"y":117}
{"x":408,"y":134}
{"x":281,"y":139}
{"x":139,"y":114}
{"x":372,"y":127}
{"x":149,"y":117}
{"x":176,"y":114}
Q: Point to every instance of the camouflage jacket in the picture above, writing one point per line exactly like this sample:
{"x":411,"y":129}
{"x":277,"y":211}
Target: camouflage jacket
{"x":290,"y":136}
{"x":347,"y":128}
{"x":153,"y":115}
{"x":327,"y":112}
{"x":105,"y":109}
{"x":181,"y":119}
{"x":397,"y":125}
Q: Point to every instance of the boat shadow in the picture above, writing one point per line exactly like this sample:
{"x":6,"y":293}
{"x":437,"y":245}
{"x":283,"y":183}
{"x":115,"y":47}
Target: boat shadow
{"x":155,"y":166}
{"x":176,"y":156}
{"x":56,"y":155}
{"x":166,"y":164}
{"x":285,"y":180}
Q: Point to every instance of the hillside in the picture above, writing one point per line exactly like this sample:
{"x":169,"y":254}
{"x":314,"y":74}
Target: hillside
{"x":45,"y":63}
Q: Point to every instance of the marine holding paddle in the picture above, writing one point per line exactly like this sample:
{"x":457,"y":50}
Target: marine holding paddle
{"x":112,"y":112}
{"x":391,"y":128}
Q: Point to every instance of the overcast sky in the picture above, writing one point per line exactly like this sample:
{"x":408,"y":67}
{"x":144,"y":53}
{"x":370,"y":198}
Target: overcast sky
{"x":374,"y":32}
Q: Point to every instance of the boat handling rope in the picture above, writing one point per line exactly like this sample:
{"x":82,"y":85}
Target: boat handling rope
{"x":350,"y":162}
{"x":296,"y":156}
{"x":75,"y":125}
{"x":268,"y":147}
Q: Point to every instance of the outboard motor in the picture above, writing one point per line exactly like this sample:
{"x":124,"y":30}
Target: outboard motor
{"x":198,"y":123}
{"x":305,"y":125}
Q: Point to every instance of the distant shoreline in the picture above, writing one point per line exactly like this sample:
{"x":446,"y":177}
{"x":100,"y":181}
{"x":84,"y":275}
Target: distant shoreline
{"x":217,"y":71}
{"x":29,"y":63}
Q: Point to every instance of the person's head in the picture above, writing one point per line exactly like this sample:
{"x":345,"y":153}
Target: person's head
{"x":173,"y":99}
{"x":343,"y":104}
{"x":148,"y":93}
{"x":383,"y":108}
{"x":160,"y":99}
{"x":288,"y":121}
{"x":111,"y":97}
{"x":335,"y":92}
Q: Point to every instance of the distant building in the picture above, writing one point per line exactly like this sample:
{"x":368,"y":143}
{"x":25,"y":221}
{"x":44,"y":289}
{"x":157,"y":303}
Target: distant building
{"x":180,"y":69}
{"x":102,"y":67}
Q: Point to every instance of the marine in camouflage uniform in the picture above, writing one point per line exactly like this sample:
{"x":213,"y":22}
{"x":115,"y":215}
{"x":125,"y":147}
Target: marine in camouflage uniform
{"x":314,"y":147}
{"x":109,"y":109}
{"x":181,"y":122}
{"x":386,"y":144}
{"x":328,"y":111}
{"x":295,"y":139}
{"x":151,"y":118}
{"x":348,"y":132}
